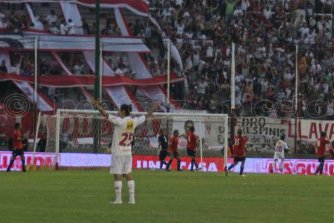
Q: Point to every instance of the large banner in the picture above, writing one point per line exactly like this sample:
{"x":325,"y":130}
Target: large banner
{"x":264,"y":132}
{"x":212,"y":164}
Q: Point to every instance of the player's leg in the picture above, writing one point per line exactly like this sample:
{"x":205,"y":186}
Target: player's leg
{"x":12,"y":159}
{"x":191,"y":153}
{"x":162,"y":156}
{"x":127,"y":170}
{"x":242,"y":166}
{"x":281,"y":164}
{"x":319,"y":167}
{"x":191,"y":161}
{"x":131,"y":187}
{"x":322,"y":163}
{"x":116,"y":170}
{"x":22,"y":161}
{"x":177,"y":156}
{"x":118,"y":189}
{"x":273,"y":165}
{"x":235,"y":162}
{"x":194,"y":161}
{"x":169,"y":162}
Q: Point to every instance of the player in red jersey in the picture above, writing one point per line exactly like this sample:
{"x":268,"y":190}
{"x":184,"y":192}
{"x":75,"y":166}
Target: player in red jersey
{"x":320,"y":151}
{"x":17,"y":147}
{"x":239,"y":152}
{"x":192,"y":140}
{"x":174,"y":150}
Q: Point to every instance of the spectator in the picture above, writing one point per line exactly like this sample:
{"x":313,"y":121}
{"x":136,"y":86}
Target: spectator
{"x":51,"y":18}
{"x":70,"y":27}
{"x":3,"y":66}
{"x":42,"y":143}
{"x":53,"y":28}
{"x":78,"y":68}
{"x":63,"y":27}
{"x":85,"y":27}
{"x":38,"y":24}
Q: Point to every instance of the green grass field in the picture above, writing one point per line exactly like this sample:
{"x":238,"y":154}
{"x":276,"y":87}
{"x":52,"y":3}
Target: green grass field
{"x":165,"y":197}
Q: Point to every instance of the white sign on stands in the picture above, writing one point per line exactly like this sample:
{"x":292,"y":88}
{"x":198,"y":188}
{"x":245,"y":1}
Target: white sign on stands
{"x":264,"y":132}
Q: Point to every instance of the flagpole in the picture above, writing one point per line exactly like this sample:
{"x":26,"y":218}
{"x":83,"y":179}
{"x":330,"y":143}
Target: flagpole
{"x":97,"y":85}
{"x":296,"y":98}
{"x":35,"y":70}
{"x":168,"y":72}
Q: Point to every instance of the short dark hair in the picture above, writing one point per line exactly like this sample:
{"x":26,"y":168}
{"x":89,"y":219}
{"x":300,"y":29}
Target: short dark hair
{"x":282,"y":137}
{"x":323,"y":134}
{"x":192,"y":129}
{"x":17,"y":125}
{"x":239,"y":132}
{"x":126,"y":108}
{"x":188,"y":124}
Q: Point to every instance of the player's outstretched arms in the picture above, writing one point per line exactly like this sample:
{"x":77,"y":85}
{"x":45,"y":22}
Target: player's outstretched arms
{"x":98,"y":106}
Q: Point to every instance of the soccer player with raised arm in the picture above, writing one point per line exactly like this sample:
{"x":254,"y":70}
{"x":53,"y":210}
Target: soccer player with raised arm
{"x":321,"y":151}
{"x":121,"y":163}
{"x":174,"y":150}
{"x":163,"y":146}
{"x":17,"y":147}
{"x":192,"y":140}
{"x":239,"y":152}
{"x":279,"y":153}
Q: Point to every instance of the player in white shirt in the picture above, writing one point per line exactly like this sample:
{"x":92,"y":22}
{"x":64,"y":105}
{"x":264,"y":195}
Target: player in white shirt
{"x":121,"y":163}
{"x":279,"y":153}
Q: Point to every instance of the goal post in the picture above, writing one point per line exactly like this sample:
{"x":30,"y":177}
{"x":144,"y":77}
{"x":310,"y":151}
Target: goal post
{"x":74,"y":132}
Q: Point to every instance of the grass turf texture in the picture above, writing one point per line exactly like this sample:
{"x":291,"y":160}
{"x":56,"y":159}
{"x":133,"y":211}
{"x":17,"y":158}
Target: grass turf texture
{"x":83,"y":196}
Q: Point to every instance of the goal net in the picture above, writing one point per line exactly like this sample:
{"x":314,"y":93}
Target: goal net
{"x":78,"y":133}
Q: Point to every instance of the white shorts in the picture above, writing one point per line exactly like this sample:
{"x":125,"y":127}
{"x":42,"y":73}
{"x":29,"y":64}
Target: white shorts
{"x":279,"y":156}
{"x":121,"y":164}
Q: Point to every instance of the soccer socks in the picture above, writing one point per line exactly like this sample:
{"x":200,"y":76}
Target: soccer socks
{"x":131,"y":186}
{"x":169,"y":163}
{"x":196,"y":165}
{"x":178,"y":165}
{"x":281,"y":166}
{"x":10,"y":165}
{"x":242,"y":167}
{"x":241,"y":170}
{"x":118,"y":191}
{"x":316,"y":172}
{"x":321,"y":167}
{"x":162,"y":163}
{"x":193,"y":162}
{"x":231,"y":166}
{"x":23,"y":165}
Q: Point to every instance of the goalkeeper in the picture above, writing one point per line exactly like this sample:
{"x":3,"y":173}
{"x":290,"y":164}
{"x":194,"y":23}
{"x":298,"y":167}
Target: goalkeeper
{"x":163,"y":146}
{"x":121,"y":163}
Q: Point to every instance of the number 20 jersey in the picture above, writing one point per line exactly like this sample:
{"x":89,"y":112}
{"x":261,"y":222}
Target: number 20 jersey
{"x":123,"y":133}
{"x":281,"y":146}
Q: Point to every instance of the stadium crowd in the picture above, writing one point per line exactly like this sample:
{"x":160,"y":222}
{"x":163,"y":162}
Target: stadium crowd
{"x":265,"y":32}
